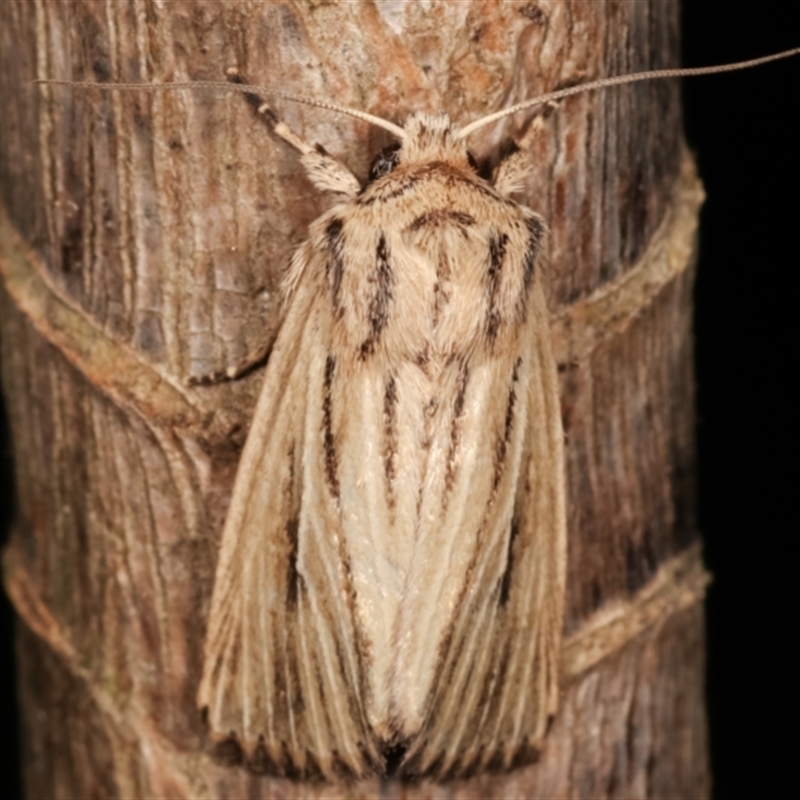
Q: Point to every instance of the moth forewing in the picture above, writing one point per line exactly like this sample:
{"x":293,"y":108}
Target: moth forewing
{"x":498,"y":679}
{"x":281,"y":673}
{"x":391,"y":570}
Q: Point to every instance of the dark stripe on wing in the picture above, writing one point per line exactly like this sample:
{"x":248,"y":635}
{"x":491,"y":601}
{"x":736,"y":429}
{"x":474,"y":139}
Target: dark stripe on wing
{"x":455,"y":429}
{"x":334,"y":265}
{"x":497,"y":252}
{"x":505,"y":583}
{"x":383,"y":281}
{"x":292,"y":577}
{"x":331,"y":462}
{"x":536,"y":232}
{"x":501,"y":446}
{"x":390,"y":438}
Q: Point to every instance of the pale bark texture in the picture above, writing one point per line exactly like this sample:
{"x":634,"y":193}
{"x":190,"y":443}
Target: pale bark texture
{"x":143,"y":237}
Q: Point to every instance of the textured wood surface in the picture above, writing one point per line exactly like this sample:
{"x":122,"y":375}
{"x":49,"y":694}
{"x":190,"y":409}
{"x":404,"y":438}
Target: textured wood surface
{"x":154,"y":229}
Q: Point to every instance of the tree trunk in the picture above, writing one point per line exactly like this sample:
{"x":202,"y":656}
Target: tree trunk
{"x":143,"y":237}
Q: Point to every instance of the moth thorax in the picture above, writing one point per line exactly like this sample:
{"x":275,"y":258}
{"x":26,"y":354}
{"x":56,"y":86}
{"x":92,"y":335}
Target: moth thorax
{"x":432,"y":137}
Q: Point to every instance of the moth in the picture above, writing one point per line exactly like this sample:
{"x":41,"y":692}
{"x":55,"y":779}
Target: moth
{"x":390,"y":587}
{"x":392,"y":567}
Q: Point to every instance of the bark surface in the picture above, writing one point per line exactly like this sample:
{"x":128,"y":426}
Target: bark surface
{"x":142,"y":240}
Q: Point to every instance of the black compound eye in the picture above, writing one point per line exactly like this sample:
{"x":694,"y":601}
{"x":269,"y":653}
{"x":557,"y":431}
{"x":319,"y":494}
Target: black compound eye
{"x":384,"y":162}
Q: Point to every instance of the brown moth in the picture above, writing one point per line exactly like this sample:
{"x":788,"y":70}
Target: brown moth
{"x":392,"y":573}
{"x":389,"y":593}
{"x":393,"y":563}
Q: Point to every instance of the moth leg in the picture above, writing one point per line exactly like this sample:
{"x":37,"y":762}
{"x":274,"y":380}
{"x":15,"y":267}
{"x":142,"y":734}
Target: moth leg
{"x":327,"y":173}
{"x":509,"y":175}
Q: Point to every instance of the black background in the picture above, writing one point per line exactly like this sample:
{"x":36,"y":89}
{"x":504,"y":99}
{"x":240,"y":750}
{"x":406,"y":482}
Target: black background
{"x":743,"y":129}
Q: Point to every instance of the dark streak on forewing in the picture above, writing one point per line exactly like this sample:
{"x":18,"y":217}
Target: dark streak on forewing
{"x":383,"y":281}
{"x":362,"y":645}
{"x":390,"y":438}
{"x":536,"y":232}
{"x":501,"y":445}
{"x":331,"y":462}
{"x":455,"y":429}
{"x":505,"y":583}
{"x":497,"y":252}
{"x":292,"y":577}
{"x":334,"y":263}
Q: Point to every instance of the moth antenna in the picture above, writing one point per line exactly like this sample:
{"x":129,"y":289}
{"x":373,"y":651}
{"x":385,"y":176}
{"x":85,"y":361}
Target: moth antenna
{"x":618,"y":80}
{"x":243,"y":88}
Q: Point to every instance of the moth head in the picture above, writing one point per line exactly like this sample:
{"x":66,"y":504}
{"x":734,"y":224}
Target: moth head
{"x":428,"y":134}
{"x":432,"y":137}
{"x":426,"y":137}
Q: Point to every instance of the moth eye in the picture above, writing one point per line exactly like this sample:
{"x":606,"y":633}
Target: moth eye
{"x":384,"y":162}
{"x":483,"y":169}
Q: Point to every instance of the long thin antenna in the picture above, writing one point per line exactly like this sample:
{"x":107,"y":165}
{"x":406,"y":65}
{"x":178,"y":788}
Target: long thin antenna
{"x":617,"y":81}
{"x":229,"y":87}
